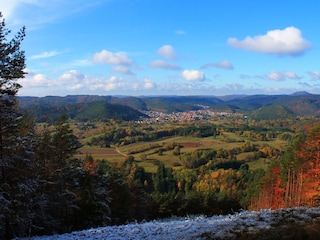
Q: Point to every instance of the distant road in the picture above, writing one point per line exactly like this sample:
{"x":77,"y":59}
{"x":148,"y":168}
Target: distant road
{"x":117,"y":149}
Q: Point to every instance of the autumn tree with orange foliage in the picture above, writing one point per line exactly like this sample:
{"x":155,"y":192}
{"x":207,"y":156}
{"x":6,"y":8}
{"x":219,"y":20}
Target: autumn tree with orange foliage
{"x":294,"y":179}
{"x":310,"y":155}
{"x":272,"y":193}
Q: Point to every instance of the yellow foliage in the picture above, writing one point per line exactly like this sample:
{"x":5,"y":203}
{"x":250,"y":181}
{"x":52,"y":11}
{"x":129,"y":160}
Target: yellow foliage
{"x":215,"y":175}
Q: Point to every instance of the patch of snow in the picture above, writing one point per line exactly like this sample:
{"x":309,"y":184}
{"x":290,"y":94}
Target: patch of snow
{"x":194,"y":227}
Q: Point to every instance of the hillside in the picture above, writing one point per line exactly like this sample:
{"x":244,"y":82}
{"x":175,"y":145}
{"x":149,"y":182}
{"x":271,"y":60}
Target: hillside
{"x":97,"y":110}
{"x":272,"y":112}
{"x":299,"y":223}
{"x":297,"y":103}
{"x":281,"y":106}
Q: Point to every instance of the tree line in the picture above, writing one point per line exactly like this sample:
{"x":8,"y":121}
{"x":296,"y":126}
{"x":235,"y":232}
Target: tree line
{"x":294,"y":179}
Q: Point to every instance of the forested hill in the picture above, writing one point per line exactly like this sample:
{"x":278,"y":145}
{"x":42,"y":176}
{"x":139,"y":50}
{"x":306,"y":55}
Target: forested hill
{"x":84,"y":111}
{"x":78,"y":107}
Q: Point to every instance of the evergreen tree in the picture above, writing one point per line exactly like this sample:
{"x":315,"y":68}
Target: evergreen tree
{"x":12,"y":64}
{"x":62,"y":176}
{"x":15,"y":186}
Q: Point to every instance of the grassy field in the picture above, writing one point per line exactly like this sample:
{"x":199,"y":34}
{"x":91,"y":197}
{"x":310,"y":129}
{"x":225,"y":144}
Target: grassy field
{"x":98,"y":153}
{"x":260,"y":163}
{"x":149,"y":158}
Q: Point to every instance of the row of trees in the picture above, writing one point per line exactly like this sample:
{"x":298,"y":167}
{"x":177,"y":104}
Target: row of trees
{"x":116,"y":135}
{"x":294,"y":179}
{"x":44,"y":190}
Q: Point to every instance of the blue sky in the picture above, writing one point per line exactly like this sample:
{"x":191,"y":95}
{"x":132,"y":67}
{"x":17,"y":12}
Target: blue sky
{"x":167,"y":47}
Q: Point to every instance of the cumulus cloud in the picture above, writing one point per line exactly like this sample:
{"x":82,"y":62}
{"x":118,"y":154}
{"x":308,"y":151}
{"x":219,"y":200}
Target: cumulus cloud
{"x":121,"y":69}
{"x":163,"y":65}
{"x":167,"y":51}
{"x":224,"y":65}
{"x":32,"y":80}
{"x":36,"y":80}
{"x":109,"y":84}
{"x":193,"y":75}
{"x":74,"y":81}
{"x":281,"y":76}
{"x":288,"y":41}
{"x":72,"y":76}
{"x":75,"y":87}
{"x":107,"y":57}
{"x":148,"y":84}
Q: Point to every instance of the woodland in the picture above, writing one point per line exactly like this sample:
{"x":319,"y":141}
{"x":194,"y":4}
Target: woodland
{"x":71,"y":172}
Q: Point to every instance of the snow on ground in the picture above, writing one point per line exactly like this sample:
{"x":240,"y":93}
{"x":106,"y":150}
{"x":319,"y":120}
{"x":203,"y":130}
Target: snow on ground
{"x":194,"y":227}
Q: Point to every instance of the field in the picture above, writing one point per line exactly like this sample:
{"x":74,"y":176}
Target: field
{"x":99,"y":153}
{"x":147,"y":155}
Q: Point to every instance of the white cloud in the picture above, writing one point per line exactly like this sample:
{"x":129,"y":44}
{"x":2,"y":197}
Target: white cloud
{"x":135,"y":86}
{"x":8,"y":6}
{"x":106,"y":57}
{"x":109,"y":84}
{"x":163,"y":65}
{"x":32,"y":80}
{"x":167,"y":51}
{"x":288,"y":41}
{"x":193,"y":75}
{"x":291,"y":75}
{"x":45,"y":55}
{"x":315,"y":75}
{"x":121,"y":69}
{"x":148,"y":84}
{"x":34,"y":13}
{"x":72,"y":76}
{"x":143,"y":84}
{"x":224,"y":65}
{"x":281,"y":76}
{"x":74,"y":81}
{"x":276,"y":76}
{"x":75,"y":87}
{"x":37,"y":80}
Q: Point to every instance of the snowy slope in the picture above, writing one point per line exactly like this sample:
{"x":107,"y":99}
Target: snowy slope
{"x":196,"y":228}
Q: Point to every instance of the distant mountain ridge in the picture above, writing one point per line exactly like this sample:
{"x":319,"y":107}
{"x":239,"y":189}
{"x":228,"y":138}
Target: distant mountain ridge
{"x":301,"y":93}
{"x":129,"y":108}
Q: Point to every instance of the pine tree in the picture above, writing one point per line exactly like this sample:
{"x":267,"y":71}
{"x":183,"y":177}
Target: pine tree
{"x":15,"y":149}
{"x":12,"y":64}
{"x":61,"y":176}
